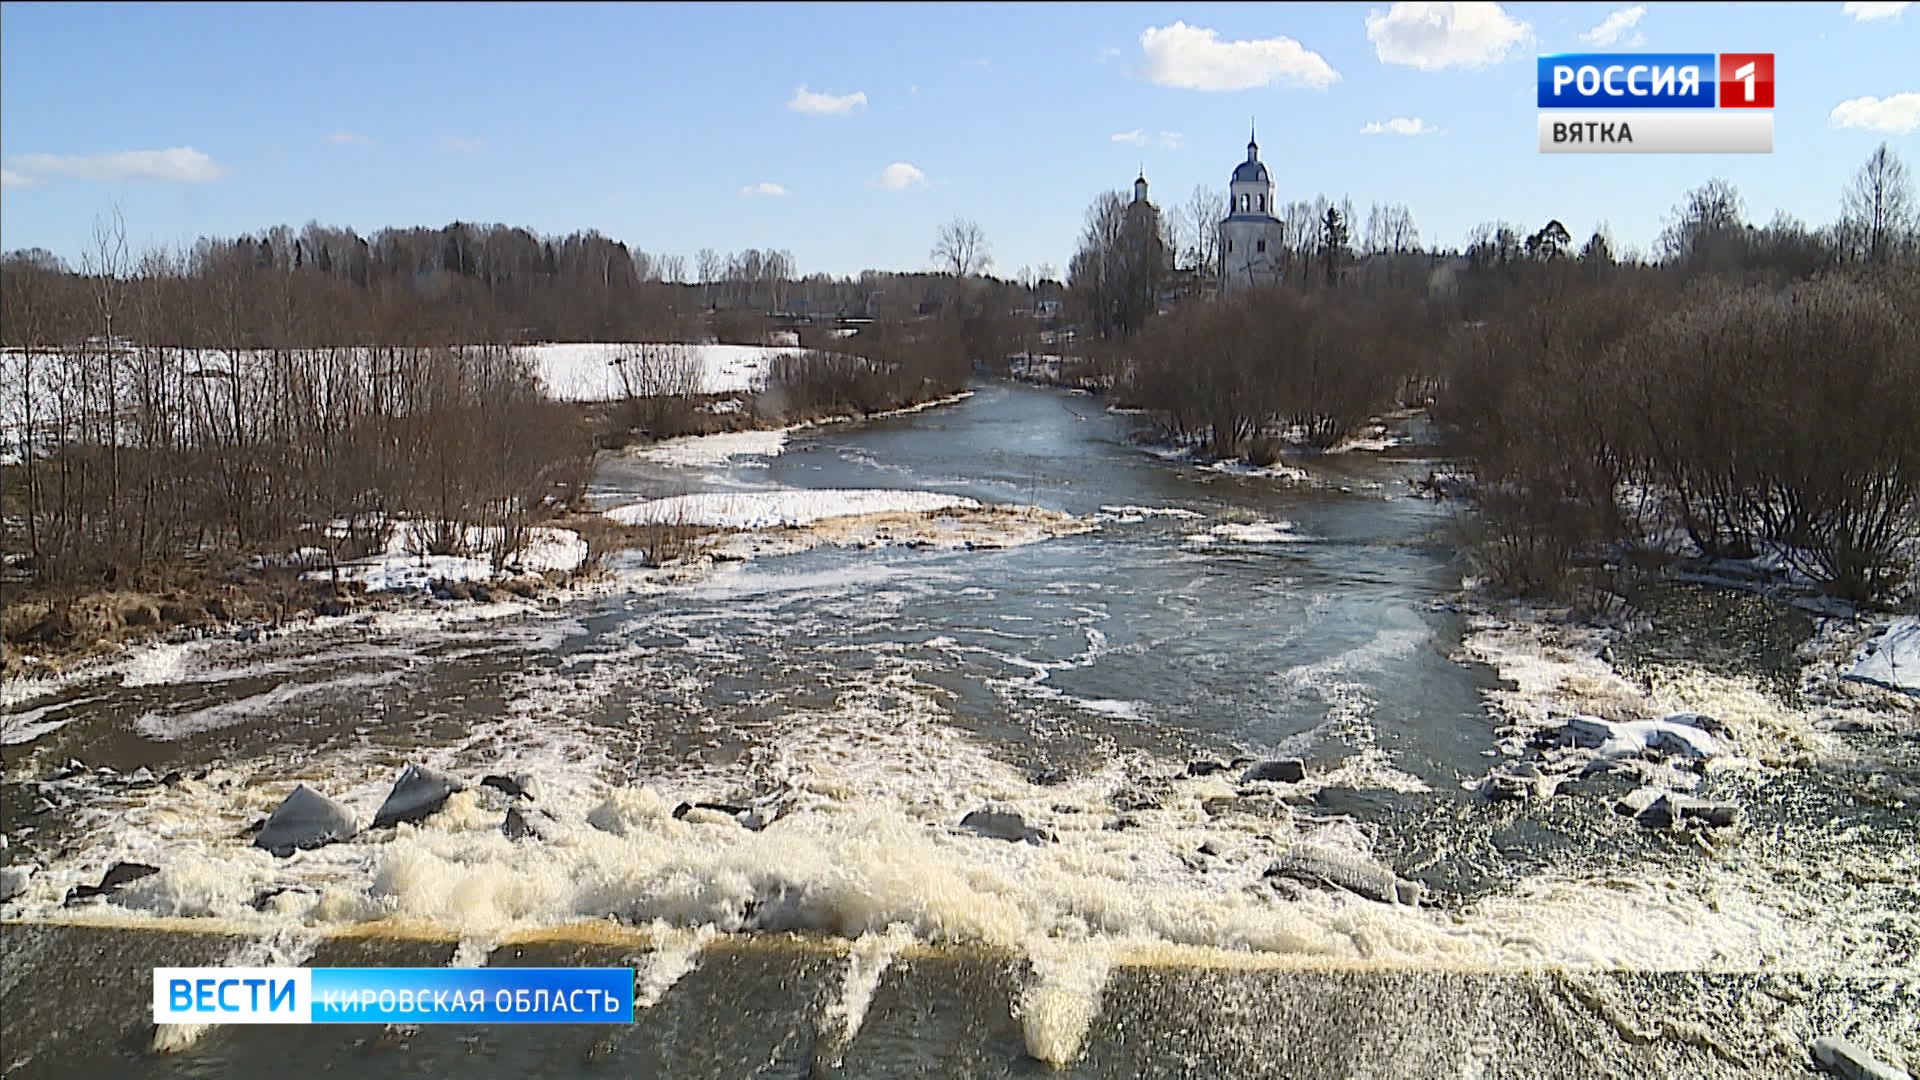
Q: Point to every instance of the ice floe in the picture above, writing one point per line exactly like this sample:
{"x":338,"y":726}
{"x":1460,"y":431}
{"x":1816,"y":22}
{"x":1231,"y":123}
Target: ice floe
{"x":708,"y":451}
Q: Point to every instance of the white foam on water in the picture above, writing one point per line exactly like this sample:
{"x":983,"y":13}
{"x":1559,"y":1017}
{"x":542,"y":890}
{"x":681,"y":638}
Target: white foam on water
{"x":675,"y":951}
{"x":1120,"y":710}
{"x":872,"y":953}
{"x":1558,"y":670}
{"x":270,"y":704}
{"x":865,"y":787}
{"x":282,"y":948}
{"x":472,"y":952}
{"x":1059,"y":1008}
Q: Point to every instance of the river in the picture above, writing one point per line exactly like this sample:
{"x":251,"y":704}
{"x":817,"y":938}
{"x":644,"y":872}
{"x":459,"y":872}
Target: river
{"x":866,"y":699}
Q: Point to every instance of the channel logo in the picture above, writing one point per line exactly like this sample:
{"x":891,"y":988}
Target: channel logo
{"x":293,"y":995}
{"x":1655,"y":103}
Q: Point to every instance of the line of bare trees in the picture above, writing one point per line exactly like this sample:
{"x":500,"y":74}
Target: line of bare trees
{"x":1247,"y":373}
{"x":1597,"y":415}
{"x":887,"y":366}
{"x":1755,"y":392}
{"x":250,"y":414}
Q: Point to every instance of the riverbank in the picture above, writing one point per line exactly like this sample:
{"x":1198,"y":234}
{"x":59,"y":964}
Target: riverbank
{"x":251,"y":595}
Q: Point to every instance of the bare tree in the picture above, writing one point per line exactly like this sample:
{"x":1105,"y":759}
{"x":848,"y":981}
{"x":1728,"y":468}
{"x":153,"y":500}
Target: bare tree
{"x":1197,"y":228}
{"x":961,"y":249}
{"x":1877,"y":211}
{"x":706,"y":264}
{"x":1705,"y":230}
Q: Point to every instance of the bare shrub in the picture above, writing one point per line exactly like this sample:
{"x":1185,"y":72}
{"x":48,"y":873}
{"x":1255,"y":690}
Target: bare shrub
{"x":1750,"y":417}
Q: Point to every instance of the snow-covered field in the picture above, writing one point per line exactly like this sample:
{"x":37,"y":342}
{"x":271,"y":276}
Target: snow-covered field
{"x":592,"y":371}
{"x":773,"y":509}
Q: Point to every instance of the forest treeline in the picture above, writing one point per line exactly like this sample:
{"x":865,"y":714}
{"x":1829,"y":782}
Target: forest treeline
{"x":489,"y":282}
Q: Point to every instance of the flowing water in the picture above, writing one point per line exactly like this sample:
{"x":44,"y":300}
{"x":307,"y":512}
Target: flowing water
{"x":864,"y":700}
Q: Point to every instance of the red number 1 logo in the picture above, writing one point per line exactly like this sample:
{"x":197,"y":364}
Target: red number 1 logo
{"x":1746,"y":80}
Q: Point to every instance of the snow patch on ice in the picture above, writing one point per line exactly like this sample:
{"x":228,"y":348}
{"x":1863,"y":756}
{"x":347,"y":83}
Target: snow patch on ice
{"x":772,"y":509}
{"x":707,"y":451}
{"x":1254,"y":532}
{"x":1133,"y":515}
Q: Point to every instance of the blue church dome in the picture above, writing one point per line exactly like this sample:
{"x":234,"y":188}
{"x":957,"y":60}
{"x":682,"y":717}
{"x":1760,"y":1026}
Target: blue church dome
{"x":1251,"y":170}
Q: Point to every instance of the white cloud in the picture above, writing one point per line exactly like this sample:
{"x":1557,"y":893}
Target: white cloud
{"x":1399,"y":125}
{"x":1135,"y":137}
{"x":901,"y":175}
{"x":1866,"y":12}
{"x":1432,"y":36}
{"x":11,"y":179}
{"x":179,"y":164}
{"x":1111,"y":52}
{"x":1194,"y":58}
{"x":806,"y":101}
{"x":764,"y":187}
{"x":1171,"y":140}
{"x":348,"y":138}
{"x":1895,"y":114}
{"x":1615,"y":26}
{"x":460,"y":144}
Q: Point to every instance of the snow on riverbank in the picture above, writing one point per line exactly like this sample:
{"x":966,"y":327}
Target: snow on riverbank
{"x":401,"y":567}
{"x":771,"y":509}
{"x":592,"y":371}
{"x":1187,"y":455}
{"x":1892,"y":660}
{"x":709,"y":451}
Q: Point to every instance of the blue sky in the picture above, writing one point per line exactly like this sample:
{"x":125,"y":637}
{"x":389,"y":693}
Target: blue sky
{"x":652,"y":123}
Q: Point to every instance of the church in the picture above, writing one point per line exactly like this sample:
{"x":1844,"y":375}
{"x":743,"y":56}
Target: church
{"x":1251,"y":237}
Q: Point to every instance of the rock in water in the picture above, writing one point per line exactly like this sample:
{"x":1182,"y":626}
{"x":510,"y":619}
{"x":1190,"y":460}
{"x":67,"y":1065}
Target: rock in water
{"x":517,"y":786}
{"x":307,"y":819}
{"x":1658,"y":809}
{"x":418,"y":793}
{"x":1637,"y":801}
{"x":1843,"y":1058}
{"x":1204,"y":767}
{"x":516,"y":826}
{"x":1523,"y":781}
{"x":1289,"y":771}
{"x":1714,"y":815}
{"x":117,"y":876}
{"x":1317,"y":866}
{"x":1003,"y":825}
{"x":731,"y":810}
{"x":13,"y":881}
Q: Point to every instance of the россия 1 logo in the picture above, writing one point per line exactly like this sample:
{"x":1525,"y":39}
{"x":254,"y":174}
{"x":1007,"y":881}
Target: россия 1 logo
{"x":1656,"y":103}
